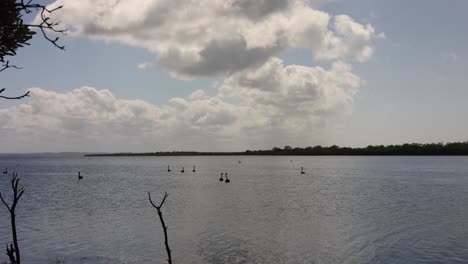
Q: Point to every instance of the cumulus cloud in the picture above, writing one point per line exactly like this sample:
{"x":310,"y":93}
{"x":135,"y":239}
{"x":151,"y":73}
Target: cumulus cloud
{"x":260,"y":8}
{"x":215,"y":37}
{"x":259,"y":97}
{"x":351,"y":38}
{"x":218,"y":57}
{"x":273,"y":99}
{"x":294,"y":93}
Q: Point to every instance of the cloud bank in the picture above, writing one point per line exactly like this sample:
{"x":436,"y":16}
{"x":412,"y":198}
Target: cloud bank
{"x":206,"y":38}
{"x":239,"y":41}
{"x":249,"y":106}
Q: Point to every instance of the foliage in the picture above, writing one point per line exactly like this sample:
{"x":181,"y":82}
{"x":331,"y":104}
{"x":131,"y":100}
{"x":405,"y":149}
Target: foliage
{"x":16,"y":34}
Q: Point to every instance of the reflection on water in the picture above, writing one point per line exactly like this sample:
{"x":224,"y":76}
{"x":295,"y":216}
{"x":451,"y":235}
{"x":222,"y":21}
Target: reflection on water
{"x":343,"y":210}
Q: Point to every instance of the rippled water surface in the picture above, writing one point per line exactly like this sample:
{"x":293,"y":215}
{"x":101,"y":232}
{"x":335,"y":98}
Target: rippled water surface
{"x":343,"y":210}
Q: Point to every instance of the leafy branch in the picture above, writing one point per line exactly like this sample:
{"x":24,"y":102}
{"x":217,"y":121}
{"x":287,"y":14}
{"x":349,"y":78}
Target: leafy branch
{"x":46,"y":23}
{"x":15,"y":34}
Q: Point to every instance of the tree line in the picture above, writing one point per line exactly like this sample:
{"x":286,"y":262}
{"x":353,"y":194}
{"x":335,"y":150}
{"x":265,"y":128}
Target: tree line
{"x":453,"y":148}
{"x":410,"y":149}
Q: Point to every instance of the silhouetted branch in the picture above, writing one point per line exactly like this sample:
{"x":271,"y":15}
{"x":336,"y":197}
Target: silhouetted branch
{"x":13,"y":251}
{"x":16,"y":34}
{"x":7,"y":65}
{"x":46,"y":23}
{"x":10,"y":251}
{"x":14,"y":97}
{"x":158,"y":208}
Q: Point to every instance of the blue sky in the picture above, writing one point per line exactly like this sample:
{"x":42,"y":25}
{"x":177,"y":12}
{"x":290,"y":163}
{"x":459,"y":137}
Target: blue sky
{"x":412,"y":89}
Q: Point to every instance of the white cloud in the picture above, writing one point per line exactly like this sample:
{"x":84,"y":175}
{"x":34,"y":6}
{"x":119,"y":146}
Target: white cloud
{"x":294,"y":92}
{"x":260,"y":97}
{"x":91,"y":119}
{"x":450,"y":57}
{"x":253,"y":104}
{"x":351,"y":38}
{"x":214,"y":37}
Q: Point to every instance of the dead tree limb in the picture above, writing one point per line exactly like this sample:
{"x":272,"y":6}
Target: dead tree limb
{"x":14,"y":97}
{"x":158,"y":208}
{"x":7,"y":65}
{"x":13,"y":251}
{"x":10,"y":251}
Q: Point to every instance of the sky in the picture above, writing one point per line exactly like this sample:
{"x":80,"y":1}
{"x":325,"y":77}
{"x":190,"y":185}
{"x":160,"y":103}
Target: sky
{"x":231,"y":75}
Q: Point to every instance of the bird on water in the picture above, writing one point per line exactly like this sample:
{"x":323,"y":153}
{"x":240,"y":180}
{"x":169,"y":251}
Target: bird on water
{"x":168,"y":168}
{"x":227,"y":179}
{"x":182,"y":170}
{"x":193,"y":168}
{"x":79,"y":176}
{"x":221,"y":179}
{"x":302,"y":170}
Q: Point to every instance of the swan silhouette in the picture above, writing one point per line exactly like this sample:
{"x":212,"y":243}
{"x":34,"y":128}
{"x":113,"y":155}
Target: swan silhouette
{"x":227,"y":180}
{"x":193,"y":168}
{"x":182,"y":170}
{"x":168,"y":168}
{"x":79,"y":176}
{"x":221,"y":179}
{"x":302,"y":170}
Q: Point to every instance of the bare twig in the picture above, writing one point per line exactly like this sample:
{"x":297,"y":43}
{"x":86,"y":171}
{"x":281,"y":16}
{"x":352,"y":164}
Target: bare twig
{"x":46,"y":23}
{"x":14,"y":97}
{"x":10,"y":251}
{"x":13,"y":251}
{"x":158,"y":208}
{"x":7,"y":65}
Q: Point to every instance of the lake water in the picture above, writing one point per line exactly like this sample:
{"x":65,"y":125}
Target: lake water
{"x":343,"y":210}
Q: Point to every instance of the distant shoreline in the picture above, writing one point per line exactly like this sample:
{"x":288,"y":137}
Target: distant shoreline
{"x":285,"y":155}
{"x":413,"y":149}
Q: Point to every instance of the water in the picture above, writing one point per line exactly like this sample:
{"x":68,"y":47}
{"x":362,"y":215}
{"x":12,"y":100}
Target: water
{"x":343,"y":210}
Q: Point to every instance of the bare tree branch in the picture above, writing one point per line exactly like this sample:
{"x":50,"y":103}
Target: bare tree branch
{"x":7,"y":65}
{"x":46,"y":23}
{"x":14,"y":97}
{"x":13,"y":251}
{"x":6,"y":205}
{"x":158,"y":208}
{"x":10,"y":251}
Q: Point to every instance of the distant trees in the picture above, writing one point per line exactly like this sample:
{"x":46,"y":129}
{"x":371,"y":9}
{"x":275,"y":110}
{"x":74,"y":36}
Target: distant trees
{"x":16,"y":34}
{"x":455,"y":148}
{"x":12,"y":250}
